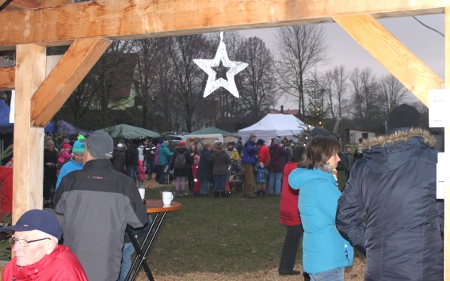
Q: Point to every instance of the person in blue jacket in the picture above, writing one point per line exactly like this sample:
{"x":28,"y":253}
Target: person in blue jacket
{"x":325,"y":252}
{"x":76,"y":163}
{"x":249,"y":158}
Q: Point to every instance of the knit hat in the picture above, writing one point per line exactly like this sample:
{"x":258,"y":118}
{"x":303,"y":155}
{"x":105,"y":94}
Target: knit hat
{"x":277,"y":140}
{"x":119,"y":145}
{"x":404,"y":116}
{"x":79,"y":147}
{"x":42,"y":220}
{"x":100,"y":145}
{"x":49,"y":142}
{"x":161,"y":140}
{"x":182,"y":143}
{"x":140,"y":163}
{"x":66,"y":146}
{"x":252,"y":136}
{"x":260,"y":142}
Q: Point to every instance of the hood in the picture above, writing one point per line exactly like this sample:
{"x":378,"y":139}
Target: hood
{"x":389,"y":152}
{"x":300,"y":176}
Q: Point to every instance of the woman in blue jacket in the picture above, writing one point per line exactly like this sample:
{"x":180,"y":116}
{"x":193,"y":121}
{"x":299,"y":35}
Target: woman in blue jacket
{"x":325,"y":252}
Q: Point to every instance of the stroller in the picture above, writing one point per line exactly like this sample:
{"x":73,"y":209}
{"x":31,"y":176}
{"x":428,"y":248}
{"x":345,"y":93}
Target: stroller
{"x":236,"y":176}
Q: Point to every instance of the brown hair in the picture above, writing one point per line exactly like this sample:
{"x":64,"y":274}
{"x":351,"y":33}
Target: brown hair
{"x":318,"y":152}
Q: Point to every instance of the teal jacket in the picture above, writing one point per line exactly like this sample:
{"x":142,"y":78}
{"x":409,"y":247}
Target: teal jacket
{"x":68,"y":167}
{"x":323,"y":247}
{"x":163,"y":154}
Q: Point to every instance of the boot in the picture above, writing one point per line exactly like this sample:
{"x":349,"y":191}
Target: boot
{"x":216,"y":194}
{"x":182,"y":193}
{"x":263,"y":193}
{"x":177,"y":193}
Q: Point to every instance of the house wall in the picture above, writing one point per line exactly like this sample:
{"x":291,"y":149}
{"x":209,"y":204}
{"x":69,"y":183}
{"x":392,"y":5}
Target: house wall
{"x":354,"y":135}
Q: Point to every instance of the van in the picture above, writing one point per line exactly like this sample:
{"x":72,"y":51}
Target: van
{"x":211,"y":138}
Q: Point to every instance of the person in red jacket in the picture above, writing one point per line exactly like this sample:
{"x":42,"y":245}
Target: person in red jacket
{"x":6,"y":193}
{"x":37,"y":255}
{"x":264,"y":158}
{"x":290,"y":217}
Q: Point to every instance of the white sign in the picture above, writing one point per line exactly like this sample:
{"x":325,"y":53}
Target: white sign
{"x":439,"y":108}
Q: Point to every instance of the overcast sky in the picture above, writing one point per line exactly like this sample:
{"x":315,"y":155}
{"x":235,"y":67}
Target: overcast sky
{"x":423,"y":42}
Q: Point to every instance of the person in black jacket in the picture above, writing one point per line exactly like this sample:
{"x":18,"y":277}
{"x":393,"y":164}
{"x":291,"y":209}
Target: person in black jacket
{"x":50,"y":177}
{"x":132,"y":160}
{"x":393,"y":187}
{"x":205,"y":169}
{"x":97,"y":203}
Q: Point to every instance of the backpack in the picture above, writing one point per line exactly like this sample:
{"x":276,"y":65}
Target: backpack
{"x":180,"y":161}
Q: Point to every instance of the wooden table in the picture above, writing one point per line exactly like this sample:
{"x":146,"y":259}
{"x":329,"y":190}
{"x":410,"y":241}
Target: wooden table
{"x":159,"y":210}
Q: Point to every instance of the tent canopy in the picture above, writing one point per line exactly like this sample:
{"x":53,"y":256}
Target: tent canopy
{"x":213,"y":130}
{"x":5,"y":126}
{"x":129,"y":132}
{"x":64,"y":127}
{"x":273,"y":125}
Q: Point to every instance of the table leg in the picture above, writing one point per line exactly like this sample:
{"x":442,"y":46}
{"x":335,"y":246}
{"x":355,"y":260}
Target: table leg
{"x":148,"y":241}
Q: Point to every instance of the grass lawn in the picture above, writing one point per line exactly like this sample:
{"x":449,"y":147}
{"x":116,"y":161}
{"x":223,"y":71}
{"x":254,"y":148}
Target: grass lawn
{"x":218,"y":235}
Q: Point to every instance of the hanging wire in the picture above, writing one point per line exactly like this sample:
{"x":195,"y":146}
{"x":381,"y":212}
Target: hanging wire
{"x":437,"y":31}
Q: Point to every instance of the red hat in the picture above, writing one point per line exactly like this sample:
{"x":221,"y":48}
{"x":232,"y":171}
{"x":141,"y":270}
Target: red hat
{"x":66,"y":146}
{"x":182,"y":143}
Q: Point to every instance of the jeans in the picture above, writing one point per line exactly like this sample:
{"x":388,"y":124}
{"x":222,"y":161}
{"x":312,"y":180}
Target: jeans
{"x":204,"y":186}
{"x":127,"y":252}
{"x":150,"y":167}
{"x":275,"y":183}
{"x":131,"y":170}
{"x":290,"y":248}
{"x":335,"y":274}
{"x":219,"y":182}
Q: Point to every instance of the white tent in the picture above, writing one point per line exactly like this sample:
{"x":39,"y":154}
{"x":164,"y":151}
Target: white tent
{"x":272,"y":125}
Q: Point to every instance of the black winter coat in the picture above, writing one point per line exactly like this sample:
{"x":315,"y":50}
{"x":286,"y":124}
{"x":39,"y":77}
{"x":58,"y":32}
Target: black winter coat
{"x":132,"y":155}
{"x":394,"y":184}
{"x":205,"y":165}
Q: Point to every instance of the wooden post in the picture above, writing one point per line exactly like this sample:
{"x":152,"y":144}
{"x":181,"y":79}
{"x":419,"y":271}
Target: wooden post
{"x":447,"y":151}
{"x":28,"y":141}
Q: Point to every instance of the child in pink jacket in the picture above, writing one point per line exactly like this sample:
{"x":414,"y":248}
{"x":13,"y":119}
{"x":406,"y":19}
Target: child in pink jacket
{"x":140,"y":171}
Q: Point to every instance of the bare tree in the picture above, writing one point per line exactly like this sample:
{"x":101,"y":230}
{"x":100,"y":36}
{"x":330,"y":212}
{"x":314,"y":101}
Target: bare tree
{"x":366,"y":98}
{"x":257,"y":81}
{"x":188,"y":77}
{"x":335,"y":84}
{"x":393,"y":93}
{"x":316,"y":107}
{"x":300,"y":49}
{"x":154,"y":81}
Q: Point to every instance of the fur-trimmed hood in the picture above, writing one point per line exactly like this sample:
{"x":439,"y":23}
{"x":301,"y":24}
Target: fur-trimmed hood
{"x":389,"y":152}
{"x":399,"y":136}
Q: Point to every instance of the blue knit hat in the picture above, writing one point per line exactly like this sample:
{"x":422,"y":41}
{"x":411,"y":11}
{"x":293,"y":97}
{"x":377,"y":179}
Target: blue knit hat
{"x":79,"y":147}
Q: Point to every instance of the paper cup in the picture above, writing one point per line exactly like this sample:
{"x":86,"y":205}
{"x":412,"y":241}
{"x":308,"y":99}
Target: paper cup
{"x":167,"y":197}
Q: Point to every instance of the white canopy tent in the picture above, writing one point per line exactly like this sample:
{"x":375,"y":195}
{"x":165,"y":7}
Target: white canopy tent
{"x":272,"y":125}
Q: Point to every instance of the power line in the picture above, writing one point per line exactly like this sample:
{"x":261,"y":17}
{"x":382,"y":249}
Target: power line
{"x":437,"y":31}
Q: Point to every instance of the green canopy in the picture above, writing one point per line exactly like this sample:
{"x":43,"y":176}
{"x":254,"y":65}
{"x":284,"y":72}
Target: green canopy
{"x":213,"y":130}
{"x":129,"y":132}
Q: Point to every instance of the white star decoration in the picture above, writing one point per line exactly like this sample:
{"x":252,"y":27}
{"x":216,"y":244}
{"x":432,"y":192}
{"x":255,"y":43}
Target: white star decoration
{"x":234,"y":68}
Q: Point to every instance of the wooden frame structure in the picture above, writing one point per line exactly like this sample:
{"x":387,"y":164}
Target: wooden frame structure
{"x":30,"y":26}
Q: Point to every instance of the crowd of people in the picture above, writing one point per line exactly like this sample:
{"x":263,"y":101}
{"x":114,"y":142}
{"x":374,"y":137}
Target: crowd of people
{"x":387,"y":210}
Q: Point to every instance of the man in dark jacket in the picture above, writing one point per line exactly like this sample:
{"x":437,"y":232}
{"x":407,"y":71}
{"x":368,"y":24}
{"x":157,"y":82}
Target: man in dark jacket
{"x":132,"y":159}
{"x":97,"y":203}
{"x":394,"y":186}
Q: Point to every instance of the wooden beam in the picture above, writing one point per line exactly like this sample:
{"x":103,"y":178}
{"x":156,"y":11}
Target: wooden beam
{"x":28,"y":141}
{"x":392,"y":54}
{"x":447,"y":148}
{"x":7,"y":77}
{"x":146,"y":18}
{"x":65,"y":77}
